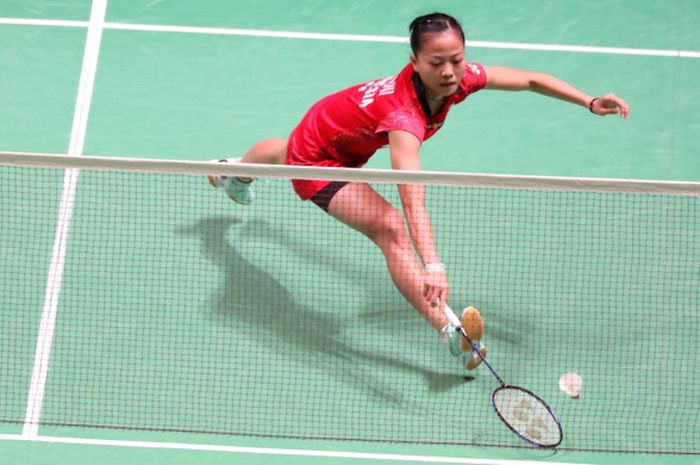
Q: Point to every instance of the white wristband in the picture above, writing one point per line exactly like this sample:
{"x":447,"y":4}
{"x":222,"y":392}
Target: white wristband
{"x":434,"y":267}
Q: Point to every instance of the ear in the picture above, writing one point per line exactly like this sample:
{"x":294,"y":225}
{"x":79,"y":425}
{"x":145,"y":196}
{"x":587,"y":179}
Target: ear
{"x":414,"y":60}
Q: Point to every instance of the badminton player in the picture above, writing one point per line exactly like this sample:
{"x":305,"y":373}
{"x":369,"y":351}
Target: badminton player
{"x":401,"y":111}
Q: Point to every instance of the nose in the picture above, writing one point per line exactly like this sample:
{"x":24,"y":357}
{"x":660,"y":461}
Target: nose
{"x":447,"y":71}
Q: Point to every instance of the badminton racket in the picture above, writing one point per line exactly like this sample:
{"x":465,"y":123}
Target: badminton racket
{"x":522,"y":411}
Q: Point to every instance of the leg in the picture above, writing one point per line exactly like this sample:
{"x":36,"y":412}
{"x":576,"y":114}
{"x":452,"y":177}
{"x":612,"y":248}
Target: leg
{"x":271,"y":151}
{"x":362,"y":208}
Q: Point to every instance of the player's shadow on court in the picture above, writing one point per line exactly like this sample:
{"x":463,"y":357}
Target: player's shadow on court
{"x":251,"y":298}
{"x":324,"y":257}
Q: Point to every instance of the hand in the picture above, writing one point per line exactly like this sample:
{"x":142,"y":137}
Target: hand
{"x":610,"y":104}
{"x":436,"y":288}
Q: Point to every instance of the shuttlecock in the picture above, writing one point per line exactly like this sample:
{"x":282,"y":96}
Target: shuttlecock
{"x":571,"y":383}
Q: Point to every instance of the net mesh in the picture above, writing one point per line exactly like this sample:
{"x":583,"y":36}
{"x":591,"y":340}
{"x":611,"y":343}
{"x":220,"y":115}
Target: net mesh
{"x":181,"y":311}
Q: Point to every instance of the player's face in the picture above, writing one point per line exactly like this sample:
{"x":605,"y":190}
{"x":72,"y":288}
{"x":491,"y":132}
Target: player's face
{"x":440,"y":62}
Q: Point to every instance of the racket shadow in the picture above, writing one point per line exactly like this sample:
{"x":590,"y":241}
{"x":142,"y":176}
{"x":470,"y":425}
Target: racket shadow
{"x":249,"y":297}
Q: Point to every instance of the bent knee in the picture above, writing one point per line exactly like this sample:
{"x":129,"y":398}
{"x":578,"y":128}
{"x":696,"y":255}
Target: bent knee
{"x":389,"y":230}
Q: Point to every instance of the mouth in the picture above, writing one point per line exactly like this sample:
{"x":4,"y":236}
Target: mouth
{"x":448,"y":84}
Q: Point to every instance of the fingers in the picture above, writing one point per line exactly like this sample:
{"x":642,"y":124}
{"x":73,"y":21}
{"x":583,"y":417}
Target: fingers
{"x":624,"y":110}
{"x":431,"y":294}
{"x":443,"y":299}
{"x":436,"y":295}
{"x":611,"y":104}
{"x":440,"y":300}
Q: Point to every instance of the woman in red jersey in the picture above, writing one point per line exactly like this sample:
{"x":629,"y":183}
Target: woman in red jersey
{"x":401,"y":111}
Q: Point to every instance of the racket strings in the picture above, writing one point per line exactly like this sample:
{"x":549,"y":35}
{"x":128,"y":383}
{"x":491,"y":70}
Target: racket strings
{"x":528,"y":416}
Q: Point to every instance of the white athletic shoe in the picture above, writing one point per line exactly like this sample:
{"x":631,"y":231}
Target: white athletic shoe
{"x":238,"y":190}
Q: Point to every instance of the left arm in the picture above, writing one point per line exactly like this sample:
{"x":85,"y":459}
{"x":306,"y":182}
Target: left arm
{"x":501,"y":78}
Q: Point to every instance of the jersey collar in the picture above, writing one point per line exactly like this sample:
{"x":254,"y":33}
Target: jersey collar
{"x":423,"y":99}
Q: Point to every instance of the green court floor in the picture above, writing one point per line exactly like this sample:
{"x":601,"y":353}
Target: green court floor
{"x":190,"y":95}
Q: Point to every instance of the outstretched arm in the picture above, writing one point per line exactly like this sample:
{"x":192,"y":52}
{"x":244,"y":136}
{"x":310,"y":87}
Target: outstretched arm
{"x":501,"y":78}
{"x":404,"y":148}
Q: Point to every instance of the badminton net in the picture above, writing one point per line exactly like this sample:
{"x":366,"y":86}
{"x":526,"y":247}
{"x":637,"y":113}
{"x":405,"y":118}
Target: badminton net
{"x":136,"y":297}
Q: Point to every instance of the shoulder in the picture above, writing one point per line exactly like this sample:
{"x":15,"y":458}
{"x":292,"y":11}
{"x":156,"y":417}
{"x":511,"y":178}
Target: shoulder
{"x":393,"y":95}
{"x":474,"y":77}
{"x":375,"y":94}
{"x":473,"y":80}
{"x":400,"y":109}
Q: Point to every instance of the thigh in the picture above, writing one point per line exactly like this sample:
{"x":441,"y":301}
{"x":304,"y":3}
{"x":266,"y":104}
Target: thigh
{"x":362,"y":208}
{"x":271,"y":151}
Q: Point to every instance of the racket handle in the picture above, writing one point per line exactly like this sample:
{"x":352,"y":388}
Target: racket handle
{"x":454,"y":321}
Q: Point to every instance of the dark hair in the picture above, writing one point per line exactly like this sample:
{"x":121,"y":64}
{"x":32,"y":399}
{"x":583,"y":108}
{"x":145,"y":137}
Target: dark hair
{"x":432,"y":23}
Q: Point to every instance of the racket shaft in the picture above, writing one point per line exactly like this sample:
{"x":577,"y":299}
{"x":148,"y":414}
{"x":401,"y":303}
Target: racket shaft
{"x":483,"y":359}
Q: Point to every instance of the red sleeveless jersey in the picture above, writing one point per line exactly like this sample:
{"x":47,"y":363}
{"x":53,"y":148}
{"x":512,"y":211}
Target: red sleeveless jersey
{"x":346,"y":128}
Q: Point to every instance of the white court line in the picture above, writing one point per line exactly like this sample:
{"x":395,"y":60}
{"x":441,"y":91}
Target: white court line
{"x":258,"y":33}
{"x":332,"y":454}
{"x":43,"y":22}
{"x":585,"y":49}
{"x":355,"y":38}
{"x":54,"y":279}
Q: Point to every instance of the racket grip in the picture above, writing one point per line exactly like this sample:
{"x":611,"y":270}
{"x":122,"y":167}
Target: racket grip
{"x":454,"y":321}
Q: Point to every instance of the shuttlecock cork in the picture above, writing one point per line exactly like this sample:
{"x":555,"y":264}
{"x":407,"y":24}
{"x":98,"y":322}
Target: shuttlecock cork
{"x":571,"y":384}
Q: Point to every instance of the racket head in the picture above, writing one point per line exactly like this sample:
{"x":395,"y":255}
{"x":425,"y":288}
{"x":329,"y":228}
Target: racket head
{"x":528,"y":416}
